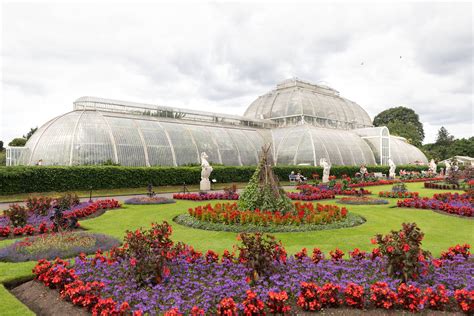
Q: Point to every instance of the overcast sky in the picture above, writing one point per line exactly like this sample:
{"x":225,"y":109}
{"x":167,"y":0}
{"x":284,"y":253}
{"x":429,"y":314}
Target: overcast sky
{"x":220,"y":57}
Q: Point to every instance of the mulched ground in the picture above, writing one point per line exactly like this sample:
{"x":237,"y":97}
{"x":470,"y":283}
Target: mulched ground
{"x":46,"y":302}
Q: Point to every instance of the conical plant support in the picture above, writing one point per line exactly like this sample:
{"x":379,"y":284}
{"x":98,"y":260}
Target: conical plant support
{"x":263,"y":191}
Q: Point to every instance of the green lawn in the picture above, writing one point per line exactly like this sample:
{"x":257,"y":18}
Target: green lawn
{"x":441,"y":231}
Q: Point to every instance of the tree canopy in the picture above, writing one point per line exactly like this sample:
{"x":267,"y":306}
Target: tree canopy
{"x":402,"y":121}
{"x":446,"y":146}
{"x":17,"y":142}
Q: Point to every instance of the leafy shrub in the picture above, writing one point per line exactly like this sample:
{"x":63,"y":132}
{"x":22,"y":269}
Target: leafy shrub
{"x":39,"y":205}
{"x":259,"y":253}
{"x":403,"y":251}
{"x":148,"y":252}
{"x":67,"y":200}
{"x":17,"y":214}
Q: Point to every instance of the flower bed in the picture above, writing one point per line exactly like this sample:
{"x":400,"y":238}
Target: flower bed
{"x":361,"y":200}
{"x":143,"y":200}
{"x":384,"y":182}
{"x":304,"y":213}
{"x":459,"y":204}
{"x":311,"y":193}
{"x":351,"y":220}
{"x":41,"y":224}
{"x":205,"y":197}
{"x":392,"y":194}
{"x":441,"y":186}
{"x":51,"y":246}
{"x":323,"y":195}
{"x":228,"y":285}
{"x":337,"y":189}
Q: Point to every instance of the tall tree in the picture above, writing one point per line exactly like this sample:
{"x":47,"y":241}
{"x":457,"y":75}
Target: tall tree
{"x":1,"y":145}
{"x":443,"y":137}
{"x":406,"y":116}
{"x":30,"y":133}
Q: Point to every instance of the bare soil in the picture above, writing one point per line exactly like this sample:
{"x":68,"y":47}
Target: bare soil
{"x":44,"y":301}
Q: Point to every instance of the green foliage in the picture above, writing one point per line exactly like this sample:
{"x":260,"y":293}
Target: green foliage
{"x":259,"y":253}
{"x":446,"y":146}
{"x":30,"y":133}
{"x":17,"y":142}
{"x":3,"y":158}
{"x":404,"y":123}
{"x":1,"y":146}
{"x":408,"y":131}
{"x":17,"y":215}
{"x":263,"y":191}
{"x":403,"y":251}
{"x":27,"y":179}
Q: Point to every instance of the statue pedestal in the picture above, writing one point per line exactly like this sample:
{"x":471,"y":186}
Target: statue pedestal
{"x":205,"y":185}
{"x":325,"y":179}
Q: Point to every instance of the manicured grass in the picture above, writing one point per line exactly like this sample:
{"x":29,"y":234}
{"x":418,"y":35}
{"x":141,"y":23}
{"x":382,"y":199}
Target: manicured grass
{"x":441,"y":231}
{"x":10,"y":305}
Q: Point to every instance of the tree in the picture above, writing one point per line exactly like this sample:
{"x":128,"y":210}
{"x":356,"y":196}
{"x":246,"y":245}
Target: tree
{"x":408,"y":131}
{"x":404,"y":115}
{"x":17,"y":142}
{"x":30,"y":133}
{"x":1,"y":145}
{"x":443,"y":137}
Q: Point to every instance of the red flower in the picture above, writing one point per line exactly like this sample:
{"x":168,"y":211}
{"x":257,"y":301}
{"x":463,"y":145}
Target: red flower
{"x":406,"y":247}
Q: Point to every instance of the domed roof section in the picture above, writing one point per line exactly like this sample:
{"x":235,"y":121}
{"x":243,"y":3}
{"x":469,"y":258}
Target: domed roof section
{"x":295,"y":97}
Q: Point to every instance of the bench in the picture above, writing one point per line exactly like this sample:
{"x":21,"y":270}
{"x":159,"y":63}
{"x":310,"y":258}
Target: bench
{"x":292,"y":178}
{"x":380,"y":175}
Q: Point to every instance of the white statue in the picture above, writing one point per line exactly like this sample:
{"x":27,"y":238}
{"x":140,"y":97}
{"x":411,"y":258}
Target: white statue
{"x":205,"y":185}
{"x":448,"y":168}
{"x":433,"y":166}
{"x":326,"y":169}
{"x":393,"y":167}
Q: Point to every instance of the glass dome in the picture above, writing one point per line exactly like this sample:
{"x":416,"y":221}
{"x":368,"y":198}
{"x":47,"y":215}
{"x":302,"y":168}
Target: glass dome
{"x":315,"y":104}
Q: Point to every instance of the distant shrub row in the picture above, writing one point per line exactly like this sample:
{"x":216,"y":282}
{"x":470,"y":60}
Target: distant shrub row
{"x":23,"y":179}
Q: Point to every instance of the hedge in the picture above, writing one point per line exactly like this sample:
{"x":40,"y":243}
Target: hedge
{"x":26,"y":179}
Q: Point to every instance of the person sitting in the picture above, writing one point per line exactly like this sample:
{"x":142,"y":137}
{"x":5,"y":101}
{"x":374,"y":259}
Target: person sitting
{"x":300,"y":177}
{"x":363,"y":171}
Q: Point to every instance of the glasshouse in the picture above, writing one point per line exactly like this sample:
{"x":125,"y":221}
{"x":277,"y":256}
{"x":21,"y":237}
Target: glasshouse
{"x":304,"y":122}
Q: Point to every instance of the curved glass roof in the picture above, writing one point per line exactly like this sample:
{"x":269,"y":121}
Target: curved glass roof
{"x":306,"y":144}
{"x":403,"y":153}
{"x":319,"y":104}
{"x":303,"y":121}
{"x":94,"y":137}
